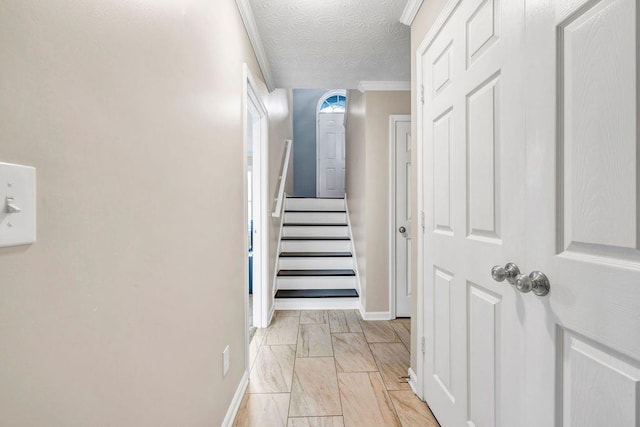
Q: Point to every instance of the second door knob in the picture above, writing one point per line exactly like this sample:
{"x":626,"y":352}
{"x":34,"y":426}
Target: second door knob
{"x":509,"y":273}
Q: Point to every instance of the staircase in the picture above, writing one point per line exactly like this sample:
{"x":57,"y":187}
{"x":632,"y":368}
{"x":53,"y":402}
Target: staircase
{"x":316,"y":267}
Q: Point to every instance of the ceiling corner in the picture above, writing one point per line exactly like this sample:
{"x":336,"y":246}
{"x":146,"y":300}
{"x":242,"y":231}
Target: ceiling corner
{"x":256,"y":42}
{"x":410,"y":11}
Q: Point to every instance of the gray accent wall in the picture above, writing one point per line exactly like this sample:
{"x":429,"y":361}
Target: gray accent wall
{"x":305,"y":102}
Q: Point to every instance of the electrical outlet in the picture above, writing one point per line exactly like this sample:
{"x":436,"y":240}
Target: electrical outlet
{"x":225,"y":361}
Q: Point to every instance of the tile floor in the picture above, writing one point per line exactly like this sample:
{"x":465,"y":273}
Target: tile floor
{"x":328,"y":369}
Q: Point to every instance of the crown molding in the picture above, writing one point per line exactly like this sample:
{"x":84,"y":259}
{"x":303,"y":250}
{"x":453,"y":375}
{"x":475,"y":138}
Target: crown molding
{"x":410,"y":11}
{"x":365,"y":86}
{"x":244,"y":7}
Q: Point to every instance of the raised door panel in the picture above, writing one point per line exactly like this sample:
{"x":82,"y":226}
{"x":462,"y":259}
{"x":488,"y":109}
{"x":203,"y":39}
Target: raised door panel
{"x":483,"y":124}
{"x":482,"y":29}
{"x":407,"y":177}
{"x":484,"y":351}
{"x":330,"y":145}
{"x":601,"y":388}
{"x":331,"y":178}
{"x":443,"y":282}
{"x":442,"y":70}
{"x":442,"y":173}
{"x":598,"y":142}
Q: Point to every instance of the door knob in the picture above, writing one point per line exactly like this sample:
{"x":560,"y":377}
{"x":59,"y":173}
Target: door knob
{"x":509,"y":272}
{"x":402,"y":229}
{"x":536,"y":281}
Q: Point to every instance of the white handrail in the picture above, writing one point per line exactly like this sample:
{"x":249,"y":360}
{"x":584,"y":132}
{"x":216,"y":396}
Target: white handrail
{"x":284,"y":170}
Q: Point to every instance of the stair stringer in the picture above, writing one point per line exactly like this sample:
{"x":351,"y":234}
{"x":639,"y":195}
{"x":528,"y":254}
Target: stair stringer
{"x":277,"y":259}
{"x":353,"y":252}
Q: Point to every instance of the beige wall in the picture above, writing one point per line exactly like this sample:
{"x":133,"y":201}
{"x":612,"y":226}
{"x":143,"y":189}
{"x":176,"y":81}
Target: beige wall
{"x":131,"y":112}
{"x":422,"y":23}
{"x":367,"y":183}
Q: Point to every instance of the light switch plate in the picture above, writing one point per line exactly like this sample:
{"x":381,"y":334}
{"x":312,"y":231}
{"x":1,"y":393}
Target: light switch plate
{"x":18,"y":188}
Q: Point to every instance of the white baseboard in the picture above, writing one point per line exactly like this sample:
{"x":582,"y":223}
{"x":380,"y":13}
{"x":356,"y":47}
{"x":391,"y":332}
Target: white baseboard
{"x":271,"y":313}
{"x":374,"y":315}
{"x":235,"y":402}
{"x":413,"y":382}
{"x":317,"y":303}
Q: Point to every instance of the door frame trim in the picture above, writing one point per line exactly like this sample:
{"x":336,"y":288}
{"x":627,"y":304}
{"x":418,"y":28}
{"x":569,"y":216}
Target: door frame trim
{"x":419,"y":232}
{"x":393,"y":120}
{"x":324,"y":96}
{"x":251,"y":99}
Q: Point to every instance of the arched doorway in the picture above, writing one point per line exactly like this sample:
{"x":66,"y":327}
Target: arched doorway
{"x":330,"y":140}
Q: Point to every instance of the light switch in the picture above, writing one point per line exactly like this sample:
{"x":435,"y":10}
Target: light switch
{"x":17,"y":205}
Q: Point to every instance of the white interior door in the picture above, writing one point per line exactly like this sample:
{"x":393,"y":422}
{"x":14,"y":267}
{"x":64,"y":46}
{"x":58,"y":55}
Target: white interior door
{"x":472,"y":133}
{"x":330,"y":149}
{"x":401,"y":135}
{"x":583,"y":340}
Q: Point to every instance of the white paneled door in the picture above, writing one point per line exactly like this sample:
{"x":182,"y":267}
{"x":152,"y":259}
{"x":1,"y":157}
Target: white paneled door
{"x":473,"y":150}
{"x":583,"y":340}
{"x":330,"y":149}
{"x":401,"y":144}
{"x":529,"y":135}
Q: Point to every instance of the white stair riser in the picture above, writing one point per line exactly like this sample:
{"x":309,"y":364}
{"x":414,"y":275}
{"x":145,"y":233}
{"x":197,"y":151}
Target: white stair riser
{"x":336,"y":282}
{"x":317,"y":303}
{"x":315,"y":246}
{"x":316,"y":231}
{"x":315,"y":204}
{"x":315,"y":217}
{"x":315,"y":263}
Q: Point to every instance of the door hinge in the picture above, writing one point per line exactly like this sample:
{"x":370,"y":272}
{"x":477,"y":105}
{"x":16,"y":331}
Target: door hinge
{"x":422,"y":221}
{"x":422,"y":94}
{"x":423,"y":345}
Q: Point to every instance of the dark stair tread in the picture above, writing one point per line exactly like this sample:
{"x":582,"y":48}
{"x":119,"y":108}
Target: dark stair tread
{"x":313,"y":211}
{"x":312,"y":224}
{"x":316,"y":254}
{"x":311,"y":273}
{"x":317,"y":293}
{"x":315,"y":238}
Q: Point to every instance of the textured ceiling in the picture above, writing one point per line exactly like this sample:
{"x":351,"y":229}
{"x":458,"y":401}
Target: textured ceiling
{"x":333,"y":43}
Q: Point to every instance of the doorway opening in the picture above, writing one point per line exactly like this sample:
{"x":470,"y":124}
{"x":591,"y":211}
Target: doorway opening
{"x":330,"y":144}
{"x":256,"y":231}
